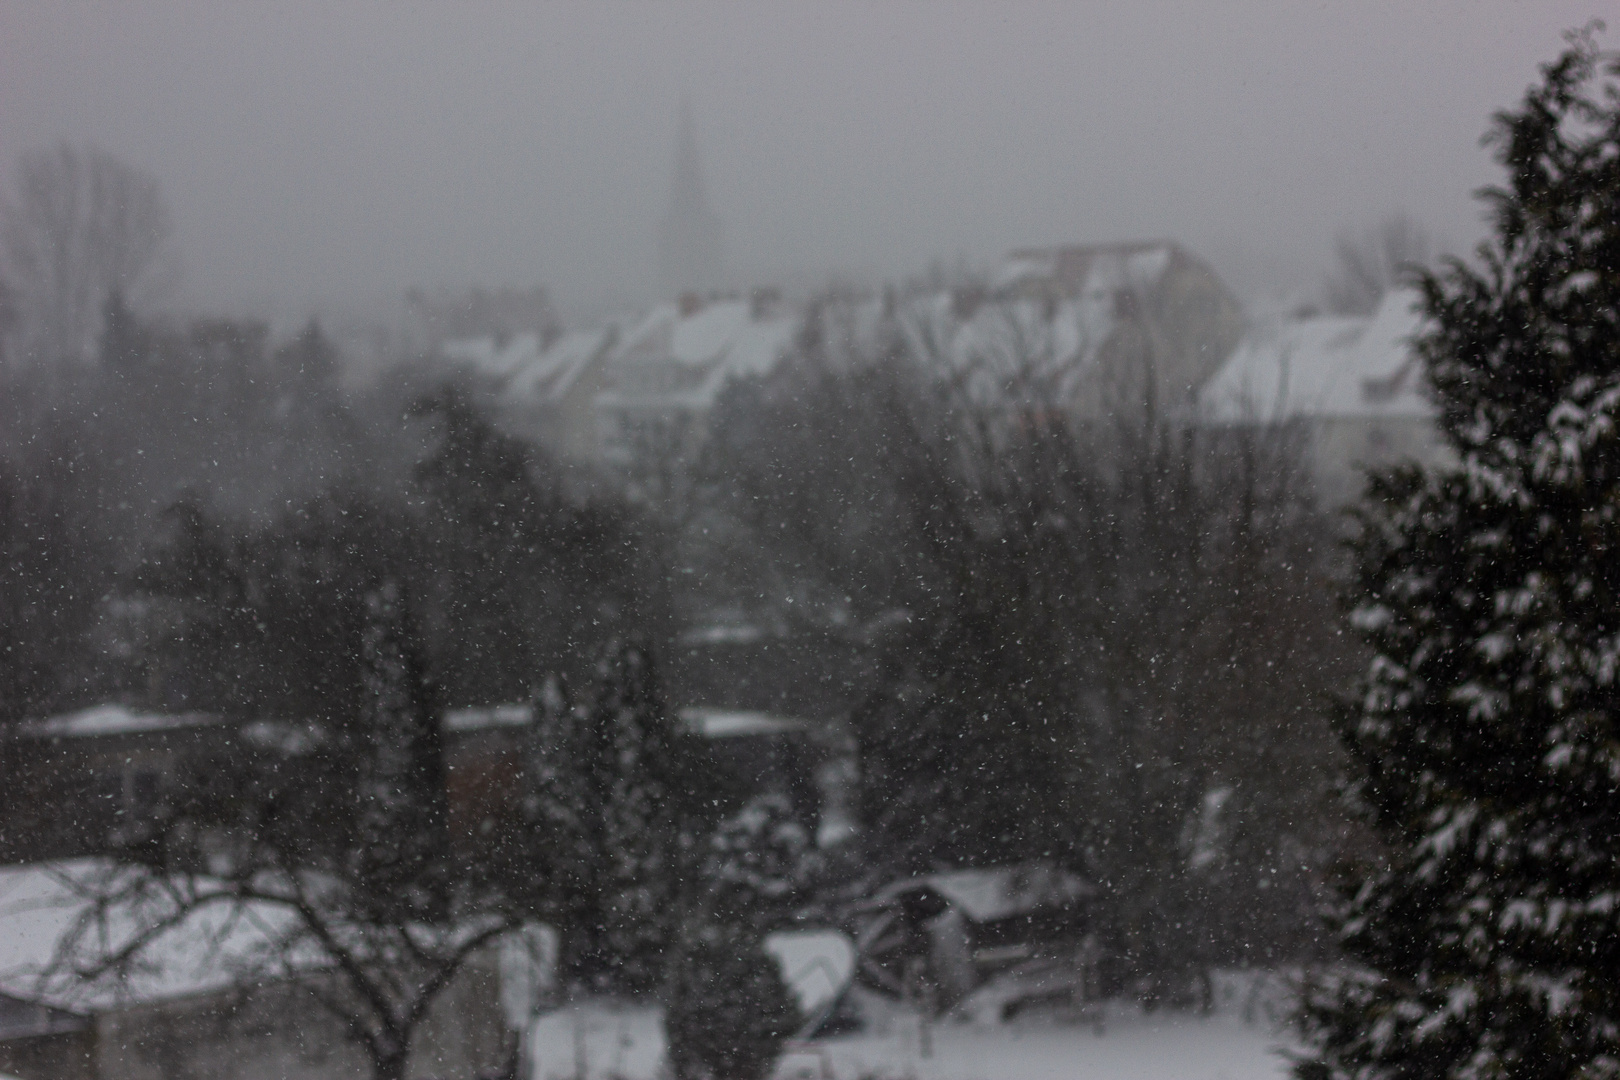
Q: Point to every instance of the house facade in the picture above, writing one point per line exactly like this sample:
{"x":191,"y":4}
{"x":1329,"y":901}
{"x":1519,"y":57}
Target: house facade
{"x":1354,"y":385}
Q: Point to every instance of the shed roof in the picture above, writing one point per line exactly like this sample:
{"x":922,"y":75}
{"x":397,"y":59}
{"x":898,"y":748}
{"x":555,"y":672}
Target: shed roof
{"x":999,"y":892}
{"x":21,"y":1018}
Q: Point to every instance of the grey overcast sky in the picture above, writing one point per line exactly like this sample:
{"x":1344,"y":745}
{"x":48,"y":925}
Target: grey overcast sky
{"x":328,"y":155}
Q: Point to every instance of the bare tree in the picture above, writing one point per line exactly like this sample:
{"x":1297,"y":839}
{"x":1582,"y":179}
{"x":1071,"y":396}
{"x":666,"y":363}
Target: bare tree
{"x":335,"y":856}
{"x":1115,"y":631}
{"x":80,"y":227}
{"x":1370,"y":263}
{"x":295,"y":928}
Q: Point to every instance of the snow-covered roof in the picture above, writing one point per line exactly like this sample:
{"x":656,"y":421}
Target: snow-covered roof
{"x":1015,"y":342}
{"x":490,"y":356}
{"x":730,"y":723}
{"x":1039,"y":326}
{"x":547,"y":376}
{"x":1079,"y":269}
{"x":42,"y":904}
{"x":114,"y":720}
{"x":1325,"y":367}
{"x":999,"y":892}
{"x":671,"y":358}
{"x":488,"y":716}
{"x":709,"y":723}
{"x":816,"y":964}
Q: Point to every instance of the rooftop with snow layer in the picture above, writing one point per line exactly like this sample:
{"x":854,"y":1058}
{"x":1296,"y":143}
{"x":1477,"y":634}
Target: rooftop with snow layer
{"x":1325,"y":368}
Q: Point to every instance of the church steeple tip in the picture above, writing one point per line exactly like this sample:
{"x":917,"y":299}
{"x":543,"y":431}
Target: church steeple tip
{"x":689,"y":244}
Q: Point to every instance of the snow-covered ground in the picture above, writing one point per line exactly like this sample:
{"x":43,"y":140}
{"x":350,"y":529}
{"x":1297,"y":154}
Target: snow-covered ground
{"x":1132,"y":1046}
{"x":605,"y":1041}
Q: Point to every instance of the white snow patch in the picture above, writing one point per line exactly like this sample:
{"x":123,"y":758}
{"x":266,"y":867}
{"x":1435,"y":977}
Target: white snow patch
{"x":1132,"y":1046}
{"x":613,"y":1041}
{"x":721,"y":634}
{"x":488,"y":716}
{"x":115,"y":720}
{"x":727,"y":723}
{"x":598,"y":1040}
{"x":41,"y":904}
{"x":816,"y":964}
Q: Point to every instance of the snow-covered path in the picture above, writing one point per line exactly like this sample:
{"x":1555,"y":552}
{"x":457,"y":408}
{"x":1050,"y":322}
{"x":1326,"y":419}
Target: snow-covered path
{"x":1132,"y":1047}
{"x":626,"y":1042}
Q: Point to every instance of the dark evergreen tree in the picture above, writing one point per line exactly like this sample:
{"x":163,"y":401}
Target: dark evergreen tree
{"x":519,"y":572}
{"x":643,"y":832}
{"x":400,"y":847}
{"x":728,"y":1011}
{"x":569,"y":771}
{"x":616,"y":821}
{"x":1488,"y":943}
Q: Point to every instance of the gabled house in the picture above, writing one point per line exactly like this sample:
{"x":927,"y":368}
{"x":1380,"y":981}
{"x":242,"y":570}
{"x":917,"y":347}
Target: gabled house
{"x":1146,"y":324}
{"x":1104,"y":332}
{"x":1354,"y":385}
{"x":666,"y":374}
{"x":110,"y":764}
{"x":551,"y":395}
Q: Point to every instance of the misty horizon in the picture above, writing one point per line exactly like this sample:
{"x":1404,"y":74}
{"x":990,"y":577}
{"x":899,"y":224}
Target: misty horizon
{"x":324,"y":160}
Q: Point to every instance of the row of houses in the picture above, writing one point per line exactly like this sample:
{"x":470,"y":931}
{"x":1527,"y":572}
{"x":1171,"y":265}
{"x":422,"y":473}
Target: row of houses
{"x":81,"y":784}
{"x":979,"y":942}
{"x":1101,"y":329}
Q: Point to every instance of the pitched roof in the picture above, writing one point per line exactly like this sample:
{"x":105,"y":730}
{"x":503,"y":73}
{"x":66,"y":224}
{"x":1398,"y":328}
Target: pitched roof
{"x":43,"y":906}
{"x":547,"y":376}
{"x":683,"y":359}
{"x":1077,"y":269}
{"x":490,"y":356}
{"x":1325,"y":367}
{"x":998,"y":892}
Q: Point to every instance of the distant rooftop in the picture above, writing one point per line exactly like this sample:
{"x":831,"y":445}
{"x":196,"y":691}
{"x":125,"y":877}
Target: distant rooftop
{"x":115,"y":720}
{"x":709,"y":723}
{"x":729,"y":723}
{"x":1324,"y":367}
{"x":104,"y":720}
{"x":1076,"y":269}
{"x":482,"y":717}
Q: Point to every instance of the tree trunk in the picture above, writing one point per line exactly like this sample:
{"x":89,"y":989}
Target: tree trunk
{"x":389,"y":1066}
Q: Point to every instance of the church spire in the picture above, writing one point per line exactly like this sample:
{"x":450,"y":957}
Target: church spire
{"x":689,"y":251}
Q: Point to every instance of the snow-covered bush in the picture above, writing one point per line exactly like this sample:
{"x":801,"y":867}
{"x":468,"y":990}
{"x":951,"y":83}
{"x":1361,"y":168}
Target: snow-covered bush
{"x":759,"y":865}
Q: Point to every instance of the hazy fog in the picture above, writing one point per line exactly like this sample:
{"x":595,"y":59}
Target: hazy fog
{"x":322,"y":155}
